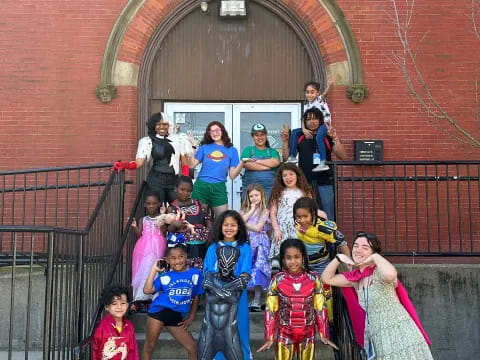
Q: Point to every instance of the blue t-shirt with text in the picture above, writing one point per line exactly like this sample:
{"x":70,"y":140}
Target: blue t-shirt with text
{"x":216,"y":161}
{"x":175,"y":290}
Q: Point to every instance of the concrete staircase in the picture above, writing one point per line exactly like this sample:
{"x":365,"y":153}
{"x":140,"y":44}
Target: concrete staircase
{"x":168,"y":348}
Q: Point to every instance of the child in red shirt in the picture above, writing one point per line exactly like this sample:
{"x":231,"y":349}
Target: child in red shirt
{"x":114,"y":337}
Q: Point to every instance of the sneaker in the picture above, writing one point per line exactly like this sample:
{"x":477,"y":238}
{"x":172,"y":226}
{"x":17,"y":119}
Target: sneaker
{"x":321,"y":167}
{"x":292,"y":160}
{"x":275,"y":265}
{"x":254,"y":307}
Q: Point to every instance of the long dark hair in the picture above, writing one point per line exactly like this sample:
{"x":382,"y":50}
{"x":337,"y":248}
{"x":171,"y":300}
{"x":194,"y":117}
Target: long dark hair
{"x":216,"y":234}
{"x":207,"y":139}
{"x":307,"y":204}
{"x":279,"y":186}
{"x":298,"y":244}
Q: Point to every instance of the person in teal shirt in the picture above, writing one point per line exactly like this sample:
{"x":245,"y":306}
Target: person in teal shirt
{"x":265,"y":160}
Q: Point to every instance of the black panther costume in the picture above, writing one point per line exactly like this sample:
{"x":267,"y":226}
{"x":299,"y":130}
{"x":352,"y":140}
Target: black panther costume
{"x":223,"y":290}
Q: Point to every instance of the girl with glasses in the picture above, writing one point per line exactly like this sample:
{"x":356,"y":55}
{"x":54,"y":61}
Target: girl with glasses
{"x":219,"y":159}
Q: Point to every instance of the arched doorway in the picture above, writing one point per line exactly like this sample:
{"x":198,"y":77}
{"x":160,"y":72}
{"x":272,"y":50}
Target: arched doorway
{"x":199,"y":67}
{"x":199,"y":57}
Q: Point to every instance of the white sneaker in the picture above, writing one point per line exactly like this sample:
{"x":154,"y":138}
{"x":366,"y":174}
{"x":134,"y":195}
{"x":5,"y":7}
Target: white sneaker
{"x":321,"y":167}
{"x":275,"y":264}
{"x":292,"y":160}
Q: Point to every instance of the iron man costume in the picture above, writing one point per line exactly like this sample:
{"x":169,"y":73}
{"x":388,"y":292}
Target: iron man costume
{"x":295,"y":304}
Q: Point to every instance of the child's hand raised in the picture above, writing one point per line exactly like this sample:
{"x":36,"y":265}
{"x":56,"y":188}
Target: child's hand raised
{"x":331,"y":81}
{"x":159,"y":265}
{"x":134,"y":224}
{"x":266,"y":346}
{"x":192,"y":140}
{"x":163,"y":209}
{"x":285,"y":133}
{"x":331,"y":131}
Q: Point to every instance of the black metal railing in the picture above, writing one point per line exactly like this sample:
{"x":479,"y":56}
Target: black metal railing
{"x":344,"y":337}
{"x":58,"y":197}
{"x":424,"y":208}
{"x":53,"y":275}
{"x":118,"y":272}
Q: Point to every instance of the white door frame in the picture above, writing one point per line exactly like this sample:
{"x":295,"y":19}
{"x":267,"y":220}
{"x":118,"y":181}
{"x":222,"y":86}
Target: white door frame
{"x":232,"y":113}
{"x":293,"y":108}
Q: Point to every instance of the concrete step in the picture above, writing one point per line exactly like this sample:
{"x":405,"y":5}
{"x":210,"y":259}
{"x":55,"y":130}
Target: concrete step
{"x":256,"y":322}
{"x":22,"y":355}
{"x":168,"y":348}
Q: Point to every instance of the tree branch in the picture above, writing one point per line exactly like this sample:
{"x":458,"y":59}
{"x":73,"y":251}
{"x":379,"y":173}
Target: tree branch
{"x":406,"y":61}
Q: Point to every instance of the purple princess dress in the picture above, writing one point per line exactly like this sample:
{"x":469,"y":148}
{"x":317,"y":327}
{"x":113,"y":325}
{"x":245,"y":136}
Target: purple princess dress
{"x":260,"y":245}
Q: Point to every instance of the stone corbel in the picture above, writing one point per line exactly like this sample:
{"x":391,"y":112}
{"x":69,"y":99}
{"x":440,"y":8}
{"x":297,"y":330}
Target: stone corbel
{"x":357,"y":93}
{"x":111,"y":72}
{"x":106,"y":92}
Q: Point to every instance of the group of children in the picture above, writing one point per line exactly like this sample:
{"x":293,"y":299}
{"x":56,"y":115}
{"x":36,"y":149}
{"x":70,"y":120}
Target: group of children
{"x":177,"y":286}
{"x":178,"y":248}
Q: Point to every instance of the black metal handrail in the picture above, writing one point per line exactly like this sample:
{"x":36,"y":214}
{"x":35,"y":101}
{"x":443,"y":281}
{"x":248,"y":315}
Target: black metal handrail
{"x":418,"y":208}
{"x":57,"y":196}
{"x":56,"y":169}
{"x":120,"y":269}
{"x":67,"y":265}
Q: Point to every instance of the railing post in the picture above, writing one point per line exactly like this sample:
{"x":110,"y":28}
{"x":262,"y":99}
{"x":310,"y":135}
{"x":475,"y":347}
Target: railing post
{"x":80,"y":287}
{"x":335,"y":192}
{"x":48,"y":297}
{"x":12,"y":296}
{"x":123,"y":188}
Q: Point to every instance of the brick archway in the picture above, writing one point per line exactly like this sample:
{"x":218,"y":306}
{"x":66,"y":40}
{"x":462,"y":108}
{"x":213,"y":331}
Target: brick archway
{"x":141,"y":19}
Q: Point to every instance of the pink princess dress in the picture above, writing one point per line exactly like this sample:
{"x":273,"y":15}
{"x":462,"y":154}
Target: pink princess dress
{"x":149,"y":248}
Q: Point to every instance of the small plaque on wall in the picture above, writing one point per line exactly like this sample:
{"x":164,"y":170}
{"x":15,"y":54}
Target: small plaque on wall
{"x":368,"y":150}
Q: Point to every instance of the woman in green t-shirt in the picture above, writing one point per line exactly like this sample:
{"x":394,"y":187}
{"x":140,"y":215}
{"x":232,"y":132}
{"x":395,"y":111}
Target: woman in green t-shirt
{"x":265,"y":161}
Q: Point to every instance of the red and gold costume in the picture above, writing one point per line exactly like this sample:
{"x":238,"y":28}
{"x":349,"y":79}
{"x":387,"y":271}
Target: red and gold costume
{"x":295,"y":304}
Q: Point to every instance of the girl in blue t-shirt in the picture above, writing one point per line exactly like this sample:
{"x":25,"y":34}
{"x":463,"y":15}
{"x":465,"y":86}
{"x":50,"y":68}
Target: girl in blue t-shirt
{"x":175,"y":302}
{"x":219,"y":158}
{"x":229,"y":229}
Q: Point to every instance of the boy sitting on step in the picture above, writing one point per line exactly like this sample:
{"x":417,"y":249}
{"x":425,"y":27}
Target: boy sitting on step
{"x":114,"y":337}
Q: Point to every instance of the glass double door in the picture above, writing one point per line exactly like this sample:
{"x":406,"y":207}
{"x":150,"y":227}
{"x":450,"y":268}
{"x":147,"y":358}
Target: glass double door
{"x":193,"y":118}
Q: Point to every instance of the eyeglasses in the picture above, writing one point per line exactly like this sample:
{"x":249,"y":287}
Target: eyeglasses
{"x":215,"y":131}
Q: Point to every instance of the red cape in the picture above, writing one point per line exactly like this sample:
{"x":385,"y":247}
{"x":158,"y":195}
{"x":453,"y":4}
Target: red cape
{"x":357,"y":314}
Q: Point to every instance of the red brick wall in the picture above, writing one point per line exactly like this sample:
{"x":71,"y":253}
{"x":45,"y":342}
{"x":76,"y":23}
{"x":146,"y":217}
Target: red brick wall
{"x":448,"y":57}
{"x":50,"y":57}
{"x":51,"y":52}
